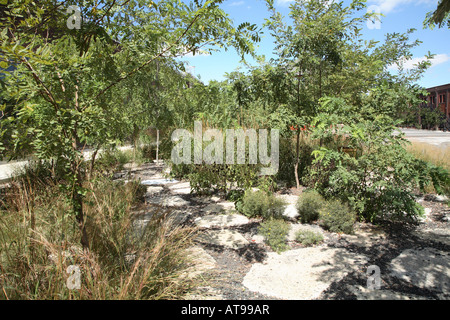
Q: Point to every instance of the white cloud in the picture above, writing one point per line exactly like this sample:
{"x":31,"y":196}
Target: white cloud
{"x":284,"y":2}
{"x":387,"y":6}
{"x":237,"y":3}
{"x":410,"y":64}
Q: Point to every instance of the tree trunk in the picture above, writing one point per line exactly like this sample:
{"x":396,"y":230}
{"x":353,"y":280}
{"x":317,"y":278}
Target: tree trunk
{"x":297,"y":160}
{"x":77,"y":197}
{"x":77,"y":204}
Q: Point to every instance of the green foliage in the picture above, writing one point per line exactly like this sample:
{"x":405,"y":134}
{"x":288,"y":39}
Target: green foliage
{"x":262,"y":204}
{"x":275,"y":232}
{"x":308,"y":205}
{"x":112,"y":160}
{"x":336,"y":216}
{"x":39,"y":241}
{"x":105,"y":82}
{"x":380,"y":171}
{"x":308,"y":237}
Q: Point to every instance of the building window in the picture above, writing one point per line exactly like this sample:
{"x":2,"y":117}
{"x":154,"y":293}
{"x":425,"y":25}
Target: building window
{"x":442,"y":98}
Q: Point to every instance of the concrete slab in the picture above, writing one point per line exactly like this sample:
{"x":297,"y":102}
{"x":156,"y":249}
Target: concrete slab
{"x":426,"y":268}
{"x":221,"y":221}
{"x":181,"y":188}
{"x":219,"y":207}
{"x":155,"y":182}
{"x":295,"y":227}
{"x":291,"y":200}
{"x":301,"y":274}
{"x":168,"y":201}
{"x":224,"y":237}
{"x":200,"y":261}
{"x":363,"y":293}
{"x":152,"y":190}
{"x":441,"y":235}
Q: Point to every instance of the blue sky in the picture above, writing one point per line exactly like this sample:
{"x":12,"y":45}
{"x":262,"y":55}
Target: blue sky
{"x":400,"y":15}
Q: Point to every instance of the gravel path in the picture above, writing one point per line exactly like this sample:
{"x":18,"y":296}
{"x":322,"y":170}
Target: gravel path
{"x":385,"y":242}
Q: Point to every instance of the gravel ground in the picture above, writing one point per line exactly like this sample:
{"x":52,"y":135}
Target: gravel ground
{"x":225,"y":281}
{"x":233,"y":265}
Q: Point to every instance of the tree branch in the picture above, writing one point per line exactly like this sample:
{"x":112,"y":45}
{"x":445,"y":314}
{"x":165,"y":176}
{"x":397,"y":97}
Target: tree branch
{"x":149,"y":61}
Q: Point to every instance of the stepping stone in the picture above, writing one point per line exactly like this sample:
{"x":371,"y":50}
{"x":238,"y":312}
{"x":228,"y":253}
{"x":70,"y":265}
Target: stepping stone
{"x":169,"y":201}
{"x":219,"y":207}
{"x":295,"y":227}
{"x":363,"y":293}
{"x":257,"y":238}
{"x":363,"y":238}
{"x":181,"y":188}
{"x":441,"y":235}
{"x":224,"y":237}
{"x":155,"y":182}
{"x":200,"y":262}
{"x":301,"y":274}
{"x":427,"y":268}
{"x":154,"y":190}
{"x":205,"y":293}
{"x":291,"y":211}
{"x":221,"y":221}
{"x":291,"y":200}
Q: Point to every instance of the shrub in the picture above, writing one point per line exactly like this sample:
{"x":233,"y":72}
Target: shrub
{"x":38,"y":242}
{"x":260,"y":204}
{"x":308,"y":237}
{"x":380,"y":172}
{"x":113,"y":160}
{"x":308,"y":206}
{"x":336,"y":216}
{"x":275,"y":232}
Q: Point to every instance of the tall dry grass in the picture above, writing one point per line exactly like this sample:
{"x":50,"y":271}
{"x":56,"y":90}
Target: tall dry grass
{"x":437,"y":155}
{"x":39,"y":241}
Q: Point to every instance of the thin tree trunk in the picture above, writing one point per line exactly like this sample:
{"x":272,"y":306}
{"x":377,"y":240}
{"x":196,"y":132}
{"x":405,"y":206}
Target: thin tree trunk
{"x":157,"y":144}
{"x":297,"y":160}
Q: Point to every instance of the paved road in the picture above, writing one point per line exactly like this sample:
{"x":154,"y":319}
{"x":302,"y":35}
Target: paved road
{"x":437,"y":138}
{"x":7,"y":169}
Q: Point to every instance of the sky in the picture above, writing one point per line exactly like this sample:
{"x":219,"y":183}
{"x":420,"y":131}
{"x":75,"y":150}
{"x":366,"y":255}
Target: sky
{"x":399,"y":16}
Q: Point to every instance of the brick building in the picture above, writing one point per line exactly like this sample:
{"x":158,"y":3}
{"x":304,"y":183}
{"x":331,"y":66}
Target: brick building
{"x":438,"y":98}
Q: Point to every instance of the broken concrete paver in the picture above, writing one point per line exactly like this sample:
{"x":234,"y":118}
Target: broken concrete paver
{"x":181,"y":188}
{"x":425,"y":268}
{"x":221,"y":221}
{"x":168,"y":201}
{"x":224,"y":237}
{"x":363,"y":293}
{"x":219,"y":207}
{"x":200,"y":262}
{"x":301,"y":274}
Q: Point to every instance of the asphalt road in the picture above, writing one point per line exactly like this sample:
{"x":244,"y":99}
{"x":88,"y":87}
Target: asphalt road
{"x":437,"y":138}
{"x":7,"y":169}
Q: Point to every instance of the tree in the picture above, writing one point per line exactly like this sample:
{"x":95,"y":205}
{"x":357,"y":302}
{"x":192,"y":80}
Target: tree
{"x":72,"y":87}
{"x":440,"y":16}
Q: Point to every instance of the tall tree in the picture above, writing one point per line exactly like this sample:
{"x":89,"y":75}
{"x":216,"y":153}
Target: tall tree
{"x":71,"y":86}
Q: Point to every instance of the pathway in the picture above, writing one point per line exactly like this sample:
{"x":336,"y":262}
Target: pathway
{"x":414,"y":263}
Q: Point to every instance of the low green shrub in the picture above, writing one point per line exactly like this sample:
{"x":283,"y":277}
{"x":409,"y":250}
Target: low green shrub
{"x":113,"y":160}
{"x":308,"y":237}
{"x":308,"y":205}
{"x":275,"y":232}
{"x":336,"y":216}
{"x":261,"y":204}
